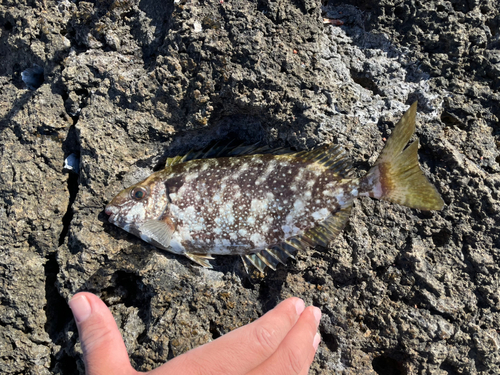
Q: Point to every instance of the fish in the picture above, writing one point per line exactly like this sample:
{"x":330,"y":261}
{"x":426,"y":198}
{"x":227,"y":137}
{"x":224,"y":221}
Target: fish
{"x":266,"y":205}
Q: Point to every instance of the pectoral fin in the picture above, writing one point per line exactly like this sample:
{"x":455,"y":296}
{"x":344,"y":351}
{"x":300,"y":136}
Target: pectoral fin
{"x":156,"y":232}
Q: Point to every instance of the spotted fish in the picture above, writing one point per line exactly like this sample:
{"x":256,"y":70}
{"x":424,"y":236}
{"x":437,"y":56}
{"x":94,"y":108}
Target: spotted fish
{"x":266,"y":206}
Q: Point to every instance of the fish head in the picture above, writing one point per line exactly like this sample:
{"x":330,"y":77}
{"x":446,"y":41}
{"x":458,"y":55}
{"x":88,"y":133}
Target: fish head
{"x":138,"y":204}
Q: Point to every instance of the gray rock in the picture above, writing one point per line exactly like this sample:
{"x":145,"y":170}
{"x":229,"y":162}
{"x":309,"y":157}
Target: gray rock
{"x":128,"y":84}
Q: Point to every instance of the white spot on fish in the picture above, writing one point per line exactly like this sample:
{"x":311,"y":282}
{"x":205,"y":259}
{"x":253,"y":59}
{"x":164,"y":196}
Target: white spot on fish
{"x":298,"y":206}
{"x":321,"y":214}
{"x":340,"y":196}
{"x":258,"y":240}
{"x":136,"y":213}
{"x":259,"y":205}
{"x":290,"y":230}
{"x":190,"y":176}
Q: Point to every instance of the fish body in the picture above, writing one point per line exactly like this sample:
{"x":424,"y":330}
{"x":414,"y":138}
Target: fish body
{"x":265,"y":207}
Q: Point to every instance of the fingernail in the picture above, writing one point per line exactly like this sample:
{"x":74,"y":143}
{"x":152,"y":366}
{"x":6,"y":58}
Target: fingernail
{"x":299,"y":306}
{"x":317,"y":314}
{"x":80,"y":307}
{"x":316,"y":341}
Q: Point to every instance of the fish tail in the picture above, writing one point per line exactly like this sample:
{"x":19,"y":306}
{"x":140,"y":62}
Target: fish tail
{"x":396,"y":176}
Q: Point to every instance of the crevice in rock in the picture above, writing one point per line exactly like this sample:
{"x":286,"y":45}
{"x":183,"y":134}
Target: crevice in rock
{"x":58,"y":315}
{"x":132,"y":291}
{"x":71,"y":146}
{"x":170,"y":352}
{"x":68,"y":216}
{"x":57,"y":310}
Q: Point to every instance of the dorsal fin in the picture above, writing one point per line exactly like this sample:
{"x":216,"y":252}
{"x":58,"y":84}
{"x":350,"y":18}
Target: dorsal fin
{"x":332,"y":157}
{"x":227,"y":149}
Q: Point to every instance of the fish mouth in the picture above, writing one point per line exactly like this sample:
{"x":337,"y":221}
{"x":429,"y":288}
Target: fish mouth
{"x":111,"y":211}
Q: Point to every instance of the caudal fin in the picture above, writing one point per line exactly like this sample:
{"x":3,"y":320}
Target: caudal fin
{"x":397,"y":176}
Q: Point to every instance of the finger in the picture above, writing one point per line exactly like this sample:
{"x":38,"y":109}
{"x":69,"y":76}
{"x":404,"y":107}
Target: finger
{"x":243,"y":349}
{"x":309,"y":361}
{"x":103,"y":349}
{"x":296,"y":352}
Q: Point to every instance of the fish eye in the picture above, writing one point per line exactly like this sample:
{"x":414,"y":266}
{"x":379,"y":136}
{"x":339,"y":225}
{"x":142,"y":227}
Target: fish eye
{"x":138,"y":193}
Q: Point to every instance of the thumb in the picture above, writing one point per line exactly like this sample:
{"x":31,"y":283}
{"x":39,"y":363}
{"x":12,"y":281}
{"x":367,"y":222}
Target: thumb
{"x":103,"y":349}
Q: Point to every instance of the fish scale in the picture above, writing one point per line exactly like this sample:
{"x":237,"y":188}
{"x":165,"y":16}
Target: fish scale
{"x":268,"y":205}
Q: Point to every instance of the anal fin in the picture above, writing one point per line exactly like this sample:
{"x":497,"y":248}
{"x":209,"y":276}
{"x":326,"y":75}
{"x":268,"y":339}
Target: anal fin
{"x":201,"y":259}
{"x":274,"y":255}
{"x":254,"y":260}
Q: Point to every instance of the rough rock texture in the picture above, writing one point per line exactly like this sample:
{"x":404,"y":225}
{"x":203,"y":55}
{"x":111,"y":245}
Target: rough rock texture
{"x":128,"y":83}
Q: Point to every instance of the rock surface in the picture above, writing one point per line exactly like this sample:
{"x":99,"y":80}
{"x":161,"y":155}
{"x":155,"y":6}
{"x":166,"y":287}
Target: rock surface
{"x":128,"y":83}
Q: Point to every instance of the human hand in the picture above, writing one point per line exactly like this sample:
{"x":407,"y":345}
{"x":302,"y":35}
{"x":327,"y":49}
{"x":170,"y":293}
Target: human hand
{"x":283,"y":341}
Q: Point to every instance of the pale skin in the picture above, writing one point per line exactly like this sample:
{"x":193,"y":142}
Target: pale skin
{"x":283,"y":341}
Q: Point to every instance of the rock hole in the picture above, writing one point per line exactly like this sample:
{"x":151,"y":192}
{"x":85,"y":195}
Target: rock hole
{"x":450,"y":119}
{"x":82,"y":92}
{"x":131,"y":291}
{"x":214,"y":330}
{"x":384,"y":365}
{"x":399,"y":12}
{"x":33,"y":77}
{"x":441,"y":238}
{"x":246,"y":282}
{"x":64,"y":365}
{"x":364,"y":81}
{"x":394,"y":296}
{"x":330,"y":341}
{"x":313,"y":278}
